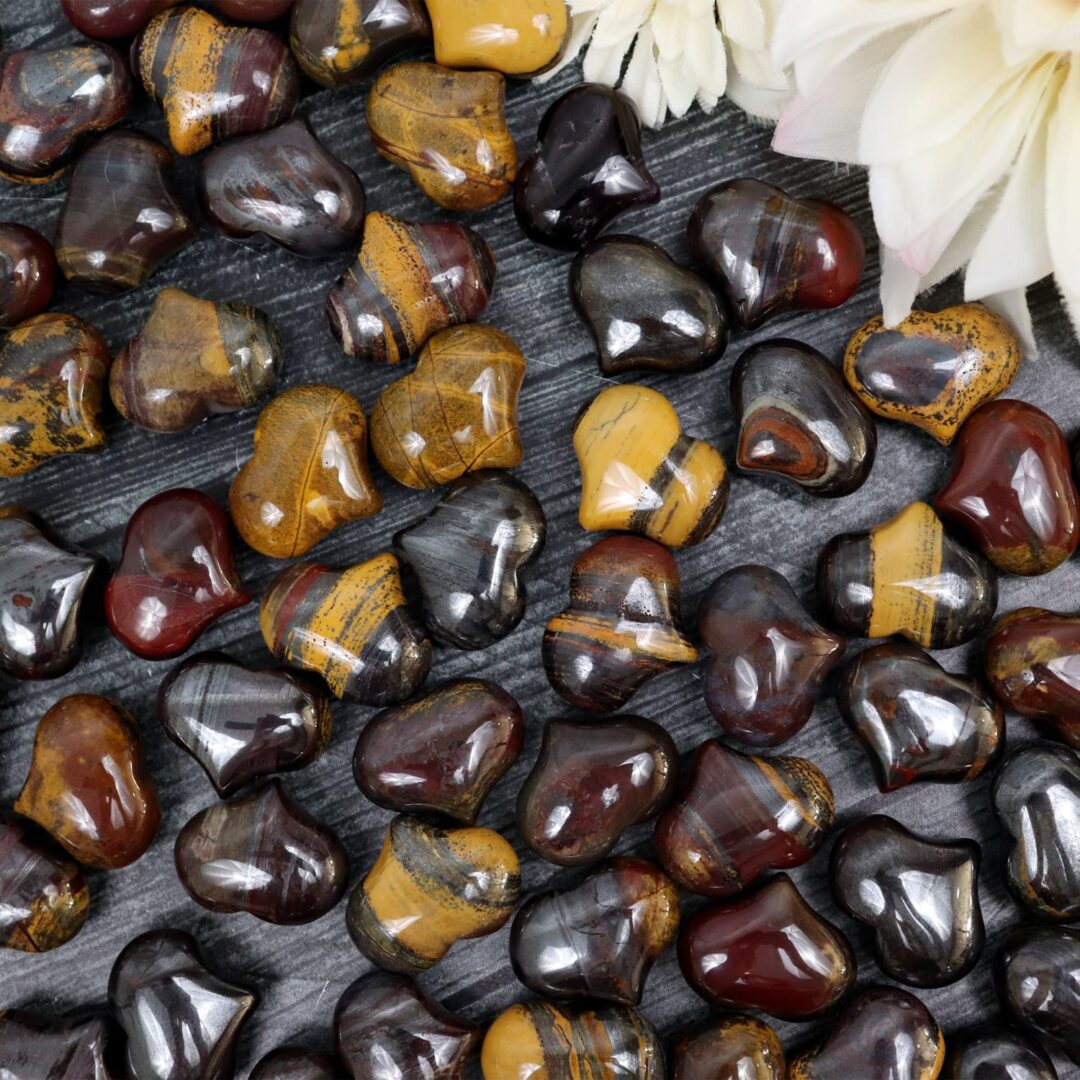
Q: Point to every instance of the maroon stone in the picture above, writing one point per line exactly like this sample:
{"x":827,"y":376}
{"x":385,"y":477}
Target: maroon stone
{"x":112,"y":18}
{"x":27,"y":272}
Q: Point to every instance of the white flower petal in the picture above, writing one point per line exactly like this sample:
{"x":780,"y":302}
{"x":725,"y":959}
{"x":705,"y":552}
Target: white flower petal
{"x":670,"y":26}
{"x":744,"y":22}
{"x":1062,"y":204}
{"x":1037,"y":26}
{"x":707,"y":57}
{"x":604,"y":65}
{"x":619,"y":22}
{"x":580,"y":31}
{"x":899,"y":287}
{"x":642,"y":82}
{"x":678,"y":83}
{"x":1012,"y":306}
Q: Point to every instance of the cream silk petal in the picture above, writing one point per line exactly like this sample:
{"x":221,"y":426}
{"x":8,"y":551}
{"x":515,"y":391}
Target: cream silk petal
{"x":642,"y":81}
{"x":618,"y":23}
{"x":669,"y":27}
{"x":744,"y":22}
{"x":1037,"y":26}
{"x":580,"y":32}
{"x":899,"y":287}
{"x":1062,"y":201}
{"x":678,"y":83}
{"x":705,"y":54}
{"x":1012,"y":306}
{"x":604,"y":65}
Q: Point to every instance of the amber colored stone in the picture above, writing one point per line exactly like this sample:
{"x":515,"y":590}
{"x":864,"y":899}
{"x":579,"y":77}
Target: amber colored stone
{"x":193,"y":359}
{"x":308,"y":473}
{"x":43,"y":894}
{"x":770,"y":951}
{"x":408,"y":282}
{"x":295,"y":1063}
{"x":122,"y":217}
{"x":730,"y":1048}
{"x":621,"y":628}
{"x":51,"y":101}
{"x":933,"y":369}
{"x":112,"y":18}
{"x":27,"y":272}
{"x":455,"y":413}
{"x":212,"y":80}
{"x":641,"y":474}
{"x":447,"y":129}
{"x":341,"y":42}
{"x":87,"y":785}
{"x":352,"y":627}
{"x":79,"y":1046}
{"x":430,"y":888}
{"x":907,"y":576}
{"x":52,"y":380}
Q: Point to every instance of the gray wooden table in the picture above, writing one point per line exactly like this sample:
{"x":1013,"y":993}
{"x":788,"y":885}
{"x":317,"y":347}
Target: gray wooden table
{"x":301,"y":971}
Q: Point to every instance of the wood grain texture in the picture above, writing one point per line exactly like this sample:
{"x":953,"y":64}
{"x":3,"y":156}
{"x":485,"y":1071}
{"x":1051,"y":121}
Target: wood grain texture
{"x":301,"y":971}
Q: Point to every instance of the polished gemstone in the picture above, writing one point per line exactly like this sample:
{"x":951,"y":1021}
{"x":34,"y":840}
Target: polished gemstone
{"x":295,"y":1063}
{"x":27,"y":272}
{"x":996,"y":1051}
{"x":112,"y":18}
{"x":730,"y":1048}
{"x":81,"y":1046}
{"x":249,"y":11}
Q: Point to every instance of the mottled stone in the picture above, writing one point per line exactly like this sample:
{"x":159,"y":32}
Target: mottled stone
{"x":730,"y":1048}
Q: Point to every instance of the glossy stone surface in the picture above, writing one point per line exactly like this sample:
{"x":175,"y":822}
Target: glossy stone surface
{"x":51,"y":101}
{"x":386,"y":1026}
{"x":352,"y":627}
{"x":263,"y":854}
{"x":884,"y":1034}
{"x":295,"y":1063}
{"x":341,"y":42}
{"x":542,"y":1039}
{"x":456,"y":412}
{"x":770,"y":951}
{"x":192,"y":359}
{"x":644,"y":311}
{"x":27,"y":272}
{"x":907,"y":576}
{"x":741,"y":816}
{"x":308,"y":472}
{"x":798,"y":420}
{"x":123,"y":217}
{"x":429,"y":888}
{"x":640,"y":473}
{"x":767,"y":657}
{"x":447,"y":130}
{"x":1037,"y":974}
{"x":87,"y":784}
{"x":252,"y":11}
{"x":919,"y":897}
{"x":1036,"y":795}
{"x":933,"y":369}
{"x":621,"y":627}
{"x":52,"y":379}
{"x":443,"y":752}
{"x":43,"y":894}
{"x":182,"y":1022}
{"x":591,"y":781}
{"x":76,"y":1047}
{"x":996,"y":1052}
{"x":466,"y":556}
{"x":112,"y":18}
{"x":587,"y":168}
{"x":1033,"y":663}
{"x":408,"y":282}
{"x":599,"y":939}
{"x":918,"y":721}
{"x":282,"y":185}
{"x":44,"y":585}
{"x":212,"y":80}
{"x":176,"y":574}
{"x":730,"y":1048}
{"x":771,"y":253}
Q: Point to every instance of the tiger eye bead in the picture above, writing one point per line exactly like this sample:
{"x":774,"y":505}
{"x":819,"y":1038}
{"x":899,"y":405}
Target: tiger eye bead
{"x":730,"y":1048}
{"x":27,"y":272}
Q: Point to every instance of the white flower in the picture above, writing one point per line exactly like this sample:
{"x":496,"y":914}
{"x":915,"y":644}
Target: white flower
{"x":679,"y":52}
{"x":967,"y":114}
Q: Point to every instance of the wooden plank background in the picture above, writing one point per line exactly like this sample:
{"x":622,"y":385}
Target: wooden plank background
{"x":301,"y":971}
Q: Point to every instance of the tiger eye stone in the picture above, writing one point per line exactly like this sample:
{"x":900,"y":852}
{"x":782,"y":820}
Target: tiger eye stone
{"x":87,"y":785}
{"x":43,"y":894}
{"x":193,"y":359}
{"x":75,"y":1047}
{"x":27,"y":272}
{"x":430,"y":888}
{"x":352,"y":627}
{"x":123,"y":217}
{"x":213,"y":81}
{"x":308,"y":473}
{"x":621,"y":628}
{"x":408,"y":282}
{"x":907,"y":576}
{"x":455,"y":413}
{"x":447,"y":130}
{"x":112,"y":18}
{"x":52,"y":379}
{"x":295,"y":1063}
{"x":52,"y":101}
{"x":730,"y":1048}
{"x":341,"y":42}
{"x":933,"y":369}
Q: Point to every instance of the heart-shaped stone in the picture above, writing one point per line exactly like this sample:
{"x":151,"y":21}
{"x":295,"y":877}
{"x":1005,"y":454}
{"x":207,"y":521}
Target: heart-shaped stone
{"x":640,"y":473}
{"x":352,"y":627}
{"x":455,"y":413}
{"x":730,"y":1048}
{"x":772,"y":253}
{"x":34,"y":1047}
{"x":933,"y":369}
{"x":645,"y":312}
{"x":212,"y":80}
{"x":295,"y":1063}
{"x":193,"y":359}
{"x":995,"y":1049}
{"x":27,"y":273}
{"x":308,"y":473}
{"x":442,"y":753}
{"x":176,"y":574}
{"x":466,"y":555}
{"x":52,"y":379}
{"x":87,"y":785}
{"x":112,"y":18}
{"x":447,"y":130}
